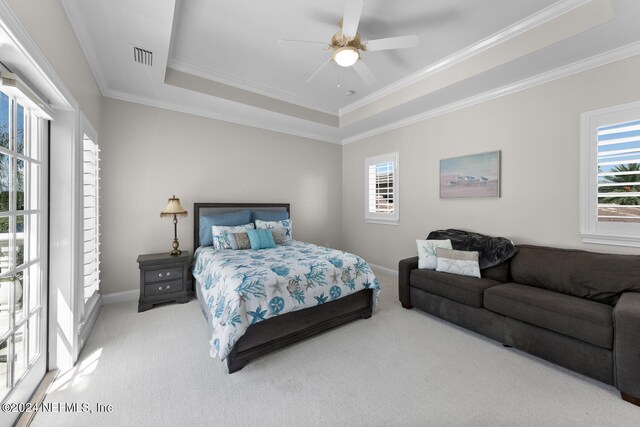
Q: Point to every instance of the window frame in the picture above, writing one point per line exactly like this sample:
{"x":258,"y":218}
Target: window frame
{"x":592,"y":231}
{"x":30,"y":271}
{"x":379,"y":217}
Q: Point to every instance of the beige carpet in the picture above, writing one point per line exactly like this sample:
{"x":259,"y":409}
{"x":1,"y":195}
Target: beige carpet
{"x":399,"y":367}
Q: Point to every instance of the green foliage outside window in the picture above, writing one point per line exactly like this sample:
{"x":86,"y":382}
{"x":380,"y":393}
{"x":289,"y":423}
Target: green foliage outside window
{"x":618,"y":198}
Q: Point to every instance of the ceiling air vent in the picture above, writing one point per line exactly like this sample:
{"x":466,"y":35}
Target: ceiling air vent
{"x":142,"y":56}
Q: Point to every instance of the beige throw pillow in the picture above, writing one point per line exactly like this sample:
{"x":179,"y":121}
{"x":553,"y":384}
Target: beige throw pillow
{"x":464,"y":263}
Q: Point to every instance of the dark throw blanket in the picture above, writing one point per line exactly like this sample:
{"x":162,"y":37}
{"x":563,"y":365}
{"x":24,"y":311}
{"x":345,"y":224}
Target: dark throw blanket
{"x":493,"y":250}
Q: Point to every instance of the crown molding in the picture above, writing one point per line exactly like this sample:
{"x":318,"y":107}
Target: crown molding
{"x":211,"y":114}
{"x":259,"y":89}
{"x":595,"y":61}
{"x":29,"y":48}
{"x":84,"y":39}
{"x":541,"y":17}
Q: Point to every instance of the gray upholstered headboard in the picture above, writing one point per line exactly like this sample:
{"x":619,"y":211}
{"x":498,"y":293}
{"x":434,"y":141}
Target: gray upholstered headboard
{"x":203,"y":208}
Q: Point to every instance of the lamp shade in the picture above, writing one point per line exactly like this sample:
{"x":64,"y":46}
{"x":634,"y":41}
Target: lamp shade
{"x":174,"y":208}
{"x":346,"y":56}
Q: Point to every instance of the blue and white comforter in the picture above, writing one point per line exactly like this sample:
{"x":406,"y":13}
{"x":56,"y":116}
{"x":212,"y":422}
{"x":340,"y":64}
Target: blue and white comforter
{"x":244,"y":287}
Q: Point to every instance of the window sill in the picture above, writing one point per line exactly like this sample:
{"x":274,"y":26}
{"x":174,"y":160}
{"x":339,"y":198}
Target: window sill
{"x":611,"y":239}
{"x":381,"y":221}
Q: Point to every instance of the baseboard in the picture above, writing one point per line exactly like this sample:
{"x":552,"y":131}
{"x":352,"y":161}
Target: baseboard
{"x":384,"y":269}
{"x":87,"y":326}
{"x":117,"y":297}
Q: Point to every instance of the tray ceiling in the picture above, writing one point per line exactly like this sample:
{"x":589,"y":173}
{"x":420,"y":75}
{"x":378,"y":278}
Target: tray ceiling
{"x":222,"y":59}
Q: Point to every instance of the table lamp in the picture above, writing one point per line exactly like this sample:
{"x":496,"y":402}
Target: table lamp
{"x":175,"y":209}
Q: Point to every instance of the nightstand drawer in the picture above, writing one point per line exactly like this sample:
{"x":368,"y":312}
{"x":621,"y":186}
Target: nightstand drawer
{"x":164,"y":278}
{"x":162,"y":274}
{"x":163,"y":288}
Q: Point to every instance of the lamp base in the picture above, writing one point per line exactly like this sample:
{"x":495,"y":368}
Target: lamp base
{"x":175,"y":250}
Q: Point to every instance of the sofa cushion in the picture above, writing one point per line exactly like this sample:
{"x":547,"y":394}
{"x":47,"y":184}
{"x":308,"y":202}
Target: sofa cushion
{"x":464,"y":289}
{"x":598,"y":277}
{"x":579,"y":318}
{"x":499,"y":272}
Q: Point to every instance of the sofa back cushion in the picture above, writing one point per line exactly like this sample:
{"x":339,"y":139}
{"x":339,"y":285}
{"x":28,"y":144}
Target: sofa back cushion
{"x":598,"y":277}
{"x":499,"y":272}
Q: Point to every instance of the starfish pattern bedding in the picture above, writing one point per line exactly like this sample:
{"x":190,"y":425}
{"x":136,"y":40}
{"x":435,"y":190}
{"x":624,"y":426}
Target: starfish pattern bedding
{"x":243,"y":287}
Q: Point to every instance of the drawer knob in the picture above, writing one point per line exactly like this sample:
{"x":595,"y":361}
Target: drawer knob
{"x":168,"y":273}
{"x":159,"y":274}
{"x":168,"y":287}
{"x":159,"y":288}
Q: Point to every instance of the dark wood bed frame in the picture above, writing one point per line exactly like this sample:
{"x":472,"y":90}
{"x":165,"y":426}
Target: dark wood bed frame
{"x":277,"y":332}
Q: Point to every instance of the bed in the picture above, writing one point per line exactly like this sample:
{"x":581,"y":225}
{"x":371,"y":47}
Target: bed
{"x":257,"y":301}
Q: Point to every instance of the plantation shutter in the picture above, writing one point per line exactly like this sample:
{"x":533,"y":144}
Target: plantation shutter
{"x":619,"y":172}
{"x":381,"y":188}
{"x":91,"y":197}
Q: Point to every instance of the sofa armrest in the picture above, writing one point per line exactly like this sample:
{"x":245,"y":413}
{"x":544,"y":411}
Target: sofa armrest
{"x":404,"y":271}
{"x":626,"y":343}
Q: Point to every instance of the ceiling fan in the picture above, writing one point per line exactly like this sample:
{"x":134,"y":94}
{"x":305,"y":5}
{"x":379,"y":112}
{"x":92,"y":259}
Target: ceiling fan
{"x":347,"y":44}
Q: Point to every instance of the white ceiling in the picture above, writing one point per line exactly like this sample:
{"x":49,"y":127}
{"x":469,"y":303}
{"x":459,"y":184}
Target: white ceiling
{"x":221,"y":58}
{"x":236,"y":40}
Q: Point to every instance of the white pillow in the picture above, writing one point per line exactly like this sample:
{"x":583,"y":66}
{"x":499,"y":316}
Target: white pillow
{"x":464,"y":263}
{"x":220,"y":234}
{"x":427,"y":252}
{"x":285,"y":223}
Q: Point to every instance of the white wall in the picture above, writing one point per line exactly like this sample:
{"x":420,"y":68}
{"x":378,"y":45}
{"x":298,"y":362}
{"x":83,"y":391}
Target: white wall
{"x":538,"y":131}
{"x":48,"y":26}
{"x":148,"y":154}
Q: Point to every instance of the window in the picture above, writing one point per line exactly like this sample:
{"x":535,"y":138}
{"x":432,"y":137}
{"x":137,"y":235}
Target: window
{"x":381,"y":198}
{"x":91,"y":224}
{"x":610,"y":176}
{"x":22,"y":133}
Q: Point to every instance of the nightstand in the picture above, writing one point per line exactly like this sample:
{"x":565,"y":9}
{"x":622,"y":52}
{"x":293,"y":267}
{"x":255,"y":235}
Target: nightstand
{"x":164,"y":278}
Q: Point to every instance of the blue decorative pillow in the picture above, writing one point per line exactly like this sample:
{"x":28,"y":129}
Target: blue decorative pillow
{"x":270,"y":216}
{"x":230,"y":218}
{"x":285,"y":223}
{"x":261,"y":239}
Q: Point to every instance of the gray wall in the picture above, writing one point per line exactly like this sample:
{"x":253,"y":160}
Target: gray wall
{"x":148,"y":154}
{"x":538,"y":131}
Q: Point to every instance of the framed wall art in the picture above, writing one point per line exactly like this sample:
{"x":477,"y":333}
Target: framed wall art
{"x":476,"y":175}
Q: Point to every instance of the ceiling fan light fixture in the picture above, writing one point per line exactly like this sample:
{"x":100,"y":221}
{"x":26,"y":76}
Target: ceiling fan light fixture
{"x":346,"y":56}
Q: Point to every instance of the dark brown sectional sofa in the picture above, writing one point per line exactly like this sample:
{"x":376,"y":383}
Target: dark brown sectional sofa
{"x":578,"y":309}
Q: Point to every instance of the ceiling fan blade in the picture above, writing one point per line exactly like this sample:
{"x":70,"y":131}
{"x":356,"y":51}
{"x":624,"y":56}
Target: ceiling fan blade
{"x":351,"y":17}
{"x":401,"y":42}
{"x":364,"y":72}
{"x":318,"y":70}
{"x":288,"y":41}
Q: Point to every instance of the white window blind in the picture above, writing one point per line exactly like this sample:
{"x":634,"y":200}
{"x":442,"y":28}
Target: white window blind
{"x":382,"y":189}
{"x":91,"y":222}
{"x":619,"y":172}
{"x":610,"y":175}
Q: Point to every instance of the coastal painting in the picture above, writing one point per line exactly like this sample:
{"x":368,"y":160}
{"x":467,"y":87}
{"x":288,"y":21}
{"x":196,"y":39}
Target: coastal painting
{"x":477,"y":175}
